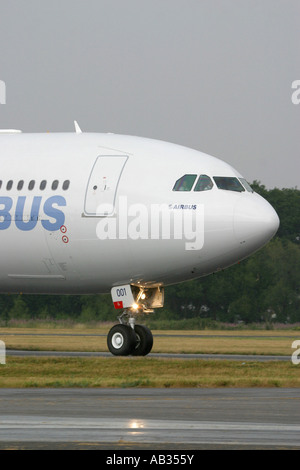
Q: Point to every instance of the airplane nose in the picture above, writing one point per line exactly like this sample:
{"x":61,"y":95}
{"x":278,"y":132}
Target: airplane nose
{"x":255,"y":221}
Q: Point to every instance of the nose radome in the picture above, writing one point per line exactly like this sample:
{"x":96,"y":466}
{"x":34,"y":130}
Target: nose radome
{"x":255,"y":220}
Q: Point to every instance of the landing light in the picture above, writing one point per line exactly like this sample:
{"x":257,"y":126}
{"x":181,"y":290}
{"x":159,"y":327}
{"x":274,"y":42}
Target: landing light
{"x":135,"y":306}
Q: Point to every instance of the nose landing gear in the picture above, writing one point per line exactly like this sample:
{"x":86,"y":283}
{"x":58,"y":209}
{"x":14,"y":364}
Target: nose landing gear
{"x":127,"y":338}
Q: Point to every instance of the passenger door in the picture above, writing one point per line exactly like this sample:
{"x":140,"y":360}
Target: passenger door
{"x":103,"y":184}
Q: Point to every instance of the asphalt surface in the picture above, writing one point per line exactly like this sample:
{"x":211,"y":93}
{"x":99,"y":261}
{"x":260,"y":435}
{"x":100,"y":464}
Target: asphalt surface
{"x":152,"y":419}
{"x":231,"y":357}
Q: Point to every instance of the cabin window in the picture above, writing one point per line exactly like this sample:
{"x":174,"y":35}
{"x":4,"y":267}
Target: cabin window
{"x":185,"y":183}
{"x":31,"y":185}
{"x":9,"y":185}
{"x":54,"y":185}
{"x":43,"y":185}
{"x":228,"y":183}
{"x":66,"y":185}
{"x":20,"y":185}
{"x":204,"y":183}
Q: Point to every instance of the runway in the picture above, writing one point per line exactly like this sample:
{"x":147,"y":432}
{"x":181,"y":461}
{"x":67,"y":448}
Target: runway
{"x":135,"y":419}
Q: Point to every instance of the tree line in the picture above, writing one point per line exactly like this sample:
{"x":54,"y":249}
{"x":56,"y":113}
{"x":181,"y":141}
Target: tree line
{"x":264,"y":288}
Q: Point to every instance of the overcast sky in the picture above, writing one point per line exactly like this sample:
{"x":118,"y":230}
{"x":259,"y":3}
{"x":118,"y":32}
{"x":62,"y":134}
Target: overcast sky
{"x":214,"y":75}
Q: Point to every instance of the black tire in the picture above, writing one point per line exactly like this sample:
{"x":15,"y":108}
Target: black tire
{"x":121,"y":340}
{"x":144,"y":341}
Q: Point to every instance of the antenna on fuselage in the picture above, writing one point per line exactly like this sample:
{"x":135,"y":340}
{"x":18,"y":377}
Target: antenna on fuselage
{"x":77,"y":128}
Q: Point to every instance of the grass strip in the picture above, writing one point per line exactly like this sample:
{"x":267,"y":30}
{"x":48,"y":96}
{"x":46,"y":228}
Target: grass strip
{"x":144,"y":372}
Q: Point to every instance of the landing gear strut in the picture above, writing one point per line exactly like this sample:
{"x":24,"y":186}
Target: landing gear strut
{"x":127,"y":338}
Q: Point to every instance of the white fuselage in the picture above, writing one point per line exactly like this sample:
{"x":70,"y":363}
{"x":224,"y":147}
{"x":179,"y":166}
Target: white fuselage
{"x":53,"y":187}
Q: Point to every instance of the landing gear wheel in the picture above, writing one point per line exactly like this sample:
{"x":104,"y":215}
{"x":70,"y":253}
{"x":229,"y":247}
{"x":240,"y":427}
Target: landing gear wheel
{"x":121,"y":340}
{"x":144,"y":341}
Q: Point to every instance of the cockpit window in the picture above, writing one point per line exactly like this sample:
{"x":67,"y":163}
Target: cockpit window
{"x":185,"y":183}
{"x":229,"y":183}
{"x":246,"y":185}
{"x":204,"y":183}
